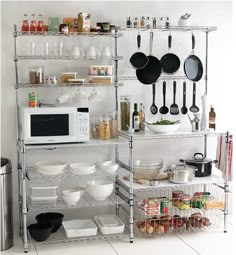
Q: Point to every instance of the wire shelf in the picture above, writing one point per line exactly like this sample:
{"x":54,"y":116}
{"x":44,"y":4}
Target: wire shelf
{"x":60,"y":238}
{"x":29,"y":85}
{"x":27,"y":57}
{"x":175,"y":28}
{"x":70,"y":34}
{"x":161,"y":78}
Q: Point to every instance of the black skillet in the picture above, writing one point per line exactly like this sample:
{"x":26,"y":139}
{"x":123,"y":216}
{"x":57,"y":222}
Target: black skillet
{"x":152,"y":71}
{"x":193,"y":68}
{"x":138,"y":59}
{"x":170,"y":62}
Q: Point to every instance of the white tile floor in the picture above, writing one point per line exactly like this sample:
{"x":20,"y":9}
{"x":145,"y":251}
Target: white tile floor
{"x":204,"y":243}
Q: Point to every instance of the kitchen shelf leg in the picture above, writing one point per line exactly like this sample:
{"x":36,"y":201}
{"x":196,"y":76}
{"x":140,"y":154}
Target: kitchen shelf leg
{"x":131,"y":190}
{"x":206,"y":63}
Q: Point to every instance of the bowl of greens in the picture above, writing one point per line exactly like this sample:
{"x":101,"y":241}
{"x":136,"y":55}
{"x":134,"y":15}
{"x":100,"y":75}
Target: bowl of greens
{"x":163,"y":126}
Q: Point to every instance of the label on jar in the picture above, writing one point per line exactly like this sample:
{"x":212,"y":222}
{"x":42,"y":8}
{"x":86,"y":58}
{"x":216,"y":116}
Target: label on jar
{"x":33,"y":99}
{"x":136,"y":122}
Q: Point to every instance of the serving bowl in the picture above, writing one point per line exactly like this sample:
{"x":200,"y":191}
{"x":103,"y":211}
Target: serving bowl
{"x":40,"y":232}
{"x":163,"y":129}
{"x":52,"y":218}
{"x":109,"y":167}
{"x":147,"y":169}
{"x":72,"y":196}
{"x":100,"y":189}
{"x":82,"y":168}
{"x":51,"y":167}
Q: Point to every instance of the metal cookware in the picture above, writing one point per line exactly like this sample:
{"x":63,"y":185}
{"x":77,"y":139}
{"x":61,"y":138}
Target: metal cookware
{"x":153,"y":107}
{"x":180,"y":173}
{"x":138,"y":59}
{"x":164,"y":109}
{"x":170,"y":62}
{"x":152,"y":71}
{"x":204,"y":165}
{"x":193,"y":68}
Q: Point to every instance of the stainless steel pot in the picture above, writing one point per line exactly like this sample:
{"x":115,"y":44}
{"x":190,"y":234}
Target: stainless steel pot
{"x":180,"y":173}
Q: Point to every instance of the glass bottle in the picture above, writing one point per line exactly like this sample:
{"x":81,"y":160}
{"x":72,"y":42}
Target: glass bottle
{"x":167,"y":22}
{"x":154,"y":22}
{"x":114,"y":124}
{"x":141,"y":117}
{"x":148,"y":25}
{"x":142,"y":22}
{"x":33,"y":25}
{"x":25,"y":24}
{"x":212,"y":118}
{"x":135,"y":118}
{"x":135,"y":22}
{"x":125,"y":112}
{"x":40,"y":23}
{"x":128,"y":23}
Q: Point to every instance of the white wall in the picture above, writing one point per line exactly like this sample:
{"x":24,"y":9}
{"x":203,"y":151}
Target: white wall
{"x":212,"y":13}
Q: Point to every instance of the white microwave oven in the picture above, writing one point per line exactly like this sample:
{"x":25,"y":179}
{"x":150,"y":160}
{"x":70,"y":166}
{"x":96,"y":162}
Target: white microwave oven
{"x":44,"y":125}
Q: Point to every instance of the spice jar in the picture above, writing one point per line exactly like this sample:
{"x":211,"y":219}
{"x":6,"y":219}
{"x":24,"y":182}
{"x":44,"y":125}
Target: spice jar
{"x":36,"y":75}
{"x":63,"y":28}
{"x":125,"y":112}
{"x":114,"y":124}
{"x":95,"y":131}
{"x":104,"y":128}
{"x":128,"y":22}
{"x":142,"y":22}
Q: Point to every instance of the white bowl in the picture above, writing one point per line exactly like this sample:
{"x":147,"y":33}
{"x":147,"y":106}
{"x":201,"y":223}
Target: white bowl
{"x":163,"y":129}
{"x":110,"y":167}
{"x":100,"y":189}
{"x":103,"y":162}
{"x":51,"y":167}
{"x":78,"y":191}
{"x":82,"y":168}
{"x":147,"y":169}
{"x":71,"y":200}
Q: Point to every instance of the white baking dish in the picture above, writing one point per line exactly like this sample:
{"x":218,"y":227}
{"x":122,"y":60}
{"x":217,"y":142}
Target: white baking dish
{"x":79,"y":228}
{"x":109,"y":224}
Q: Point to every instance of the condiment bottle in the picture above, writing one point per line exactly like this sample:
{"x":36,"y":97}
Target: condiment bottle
{"x":167,"y":22}
{"x":25,"y":24}
{"x":125,"y":112}
{"x":135,"y":118}
{"x":33,"y":25}
{"x":141,"y":117}
{"x":128,"y":23}
{"x":135,"y":25}
{"x":154,"y":22}
{"x":148,"y":25}
{"x":212,"y":118}
{"x":142,"y":22}
{"x":40,"y":23}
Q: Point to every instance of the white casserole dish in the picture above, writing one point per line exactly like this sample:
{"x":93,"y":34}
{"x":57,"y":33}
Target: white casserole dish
{"x":78,"y":228}
{"x":109,"y":224}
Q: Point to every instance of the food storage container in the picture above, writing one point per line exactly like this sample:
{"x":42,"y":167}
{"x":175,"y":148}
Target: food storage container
{"x":43,"y":190}
{"x":36,"y":75}
{"x":66,"y":76}
{"x":104,"y":128}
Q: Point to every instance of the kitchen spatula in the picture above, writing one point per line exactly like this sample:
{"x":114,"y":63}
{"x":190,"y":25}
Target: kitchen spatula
{"x":174,"y":109}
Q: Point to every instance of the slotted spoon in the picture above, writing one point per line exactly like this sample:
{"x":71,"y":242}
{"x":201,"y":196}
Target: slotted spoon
{"x":194,"y":108}
{"x":174,"y":108}
{"x":164,"y":109}
{"x":153,"y":107}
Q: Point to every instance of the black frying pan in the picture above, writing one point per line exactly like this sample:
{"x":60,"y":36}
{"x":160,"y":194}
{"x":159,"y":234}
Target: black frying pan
{"x":138,"y":59}
{"x":170,"y":62}
{"x":192,"y":65}
{"x":152,"y":71}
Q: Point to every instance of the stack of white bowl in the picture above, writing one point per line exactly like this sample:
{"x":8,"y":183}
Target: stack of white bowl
{"x":82,"y":168}
{"x":108,"y":166}
{"x":100,"y":189}
{"x":72,"y":196}
{"x":51,"y":167}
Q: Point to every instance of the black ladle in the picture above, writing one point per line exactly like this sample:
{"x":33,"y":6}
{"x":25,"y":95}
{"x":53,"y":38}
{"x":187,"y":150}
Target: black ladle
{"x":153,"y":107}
{"x":184,"y":109}
{"x":164,"y":109}
{"x":194,"y":108}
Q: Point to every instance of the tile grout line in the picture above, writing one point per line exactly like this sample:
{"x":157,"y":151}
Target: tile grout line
{"x":187,"y":244}
{"x":112,"y":247}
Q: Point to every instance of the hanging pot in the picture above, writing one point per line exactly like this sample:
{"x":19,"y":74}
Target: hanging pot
{"x":204,"y":165}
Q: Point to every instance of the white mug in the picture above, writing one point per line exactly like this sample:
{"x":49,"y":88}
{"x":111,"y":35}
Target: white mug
{"x":63,"y":98}
{"x":92,"y":52}
{"x":95,"y":96}
{"x":79,"y":97}
{"x":106,"y":52}
{"x":77,"y":52}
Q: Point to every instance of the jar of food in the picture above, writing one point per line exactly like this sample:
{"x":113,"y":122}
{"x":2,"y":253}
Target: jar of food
{"x":114,"y":124}
{"x":63,"y":28}
{"x":95,"y":131}
{"x":175,"y":197}
{"x":125,"y":112}
{"x":184,"y":202}
{"x":36,"y":75}
{"x":104,"y":128}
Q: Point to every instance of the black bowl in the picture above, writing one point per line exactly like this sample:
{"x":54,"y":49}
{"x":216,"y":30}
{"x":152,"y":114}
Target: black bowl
{"x":40,"y":232}
{"x":52,"y":218}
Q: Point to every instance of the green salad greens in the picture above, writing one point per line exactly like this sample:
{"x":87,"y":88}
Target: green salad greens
{"x":164,"y":122}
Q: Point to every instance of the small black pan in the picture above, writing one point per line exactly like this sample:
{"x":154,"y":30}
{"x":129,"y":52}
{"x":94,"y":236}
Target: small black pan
{"x":170,"y":62}
{"x":193,"y":68}
{"x":152,"y":71}
{"x":138,"y":59}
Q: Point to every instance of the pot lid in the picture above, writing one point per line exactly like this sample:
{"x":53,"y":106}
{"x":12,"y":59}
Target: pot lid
{"x":199,"y":158}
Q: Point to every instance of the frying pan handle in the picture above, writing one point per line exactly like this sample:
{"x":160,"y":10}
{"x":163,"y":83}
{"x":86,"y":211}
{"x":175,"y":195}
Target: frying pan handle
{"x":193,"y":42}
{"x":169,"y":41}
{"x":194,"y":93}
{"x":174,"y":90}
{"x":139,"y":40}
{"x":184,"y":93}
{"x":151,"y":43}
{"x":164,"y":92}
{"x":153,"y":92}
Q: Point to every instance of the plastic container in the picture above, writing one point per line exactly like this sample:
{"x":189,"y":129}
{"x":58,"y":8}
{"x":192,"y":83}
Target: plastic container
{"x":79,"y":228}
{"x":42,"y":190}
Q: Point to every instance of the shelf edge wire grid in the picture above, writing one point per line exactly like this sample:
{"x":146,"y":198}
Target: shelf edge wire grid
{"x":162,"y":77}
{"x":26,"y":57}
{"x":144,"y":219}
{"x":93,"y":142}
{"x":175,"y":28}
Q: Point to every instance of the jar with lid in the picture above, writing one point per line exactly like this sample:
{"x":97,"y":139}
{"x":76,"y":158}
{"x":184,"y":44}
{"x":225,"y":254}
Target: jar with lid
{"x":63,"y":28}
{"x":136,"y":22}
{"x":142,"y":22}
{"x":114,"y":124}
{"x":167,"y":22}
{"x":36,"y":75}
{"x":148,"y":22}
{"x":95,"y":130}
{"x":104,"y":127}
{"x":125,"y":112}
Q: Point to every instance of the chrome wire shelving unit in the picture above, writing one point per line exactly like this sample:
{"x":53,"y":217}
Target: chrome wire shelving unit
{"x":175,"y":28}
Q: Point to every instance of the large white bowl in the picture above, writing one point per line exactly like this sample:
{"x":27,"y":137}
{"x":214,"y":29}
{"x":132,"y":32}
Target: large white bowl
{"x":147,"y":169}
{"x":82,"y":168}
{"x":100,"y":189}
{"x":51,"y":167}
{"x":163,"y":129}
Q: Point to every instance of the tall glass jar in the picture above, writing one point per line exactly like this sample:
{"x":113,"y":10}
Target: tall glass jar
{"x":125,"y":112}
{"x":114,"y":124}
{"x":104,"y":128}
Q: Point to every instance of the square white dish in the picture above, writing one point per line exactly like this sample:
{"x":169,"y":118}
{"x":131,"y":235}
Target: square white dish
{"x":109,"y":224}
{"x":79,"y":228}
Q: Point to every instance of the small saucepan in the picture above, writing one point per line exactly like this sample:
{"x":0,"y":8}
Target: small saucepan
{"x":203,"y":165}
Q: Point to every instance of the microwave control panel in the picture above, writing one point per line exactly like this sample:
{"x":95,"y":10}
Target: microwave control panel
{"x":83,"y":124}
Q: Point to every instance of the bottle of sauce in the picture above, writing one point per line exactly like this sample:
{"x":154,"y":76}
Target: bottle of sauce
{"x":40,"y":23}
{"x":141,"y":117}
{"x":212,"y":118}
{"x":128,"y":23}
{"x":25,"y":24}
{"x":125,"y":112}
{"x":33,"y":25}
{"x":135,"y":118}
